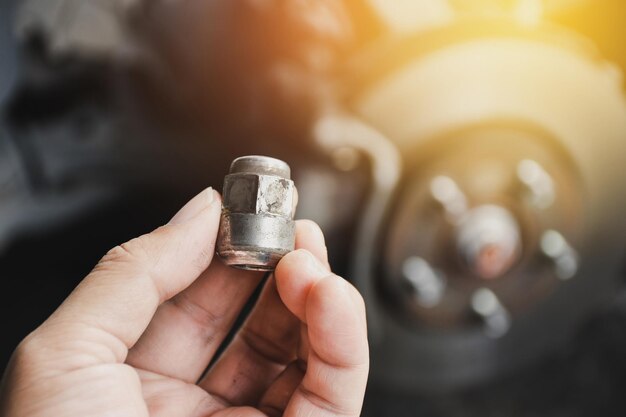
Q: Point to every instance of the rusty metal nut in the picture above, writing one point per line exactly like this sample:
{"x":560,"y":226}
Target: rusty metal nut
{"x":257,"y":227}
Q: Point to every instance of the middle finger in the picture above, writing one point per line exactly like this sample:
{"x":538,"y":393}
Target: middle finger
{"x":187,"y":330}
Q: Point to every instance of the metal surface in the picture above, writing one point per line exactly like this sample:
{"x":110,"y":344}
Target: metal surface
{"x":257,"y":227}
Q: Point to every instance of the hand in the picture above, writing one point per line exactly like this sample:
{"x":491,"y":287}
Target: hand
{"x":135,"y":337}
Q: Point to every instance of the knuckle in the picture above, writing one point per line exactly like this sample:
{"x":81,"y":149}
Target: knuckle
{"x":269,"y":350}
{"x":129,"y":252}
{"x":24,"y":348}
{"x":206,"y":318}
{"x":357,"y":298}
{"x":28,"y":350}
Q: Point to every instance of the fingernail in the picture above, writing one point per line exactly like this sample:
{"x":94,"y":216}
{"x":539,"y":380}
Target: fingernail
{"x":194,"y":206}
{"x":314,"y":265}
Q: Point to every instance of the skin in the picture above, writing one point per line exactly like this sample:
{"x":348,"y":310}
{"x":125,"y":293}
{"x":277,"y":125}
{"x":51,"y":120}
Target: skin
{"x":137,"y":334}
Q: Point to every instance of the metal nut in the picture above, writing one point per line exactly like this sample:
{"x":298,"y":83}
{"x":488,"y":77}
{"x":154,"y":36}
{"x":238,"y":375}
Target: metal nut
{"x":257,"y":227}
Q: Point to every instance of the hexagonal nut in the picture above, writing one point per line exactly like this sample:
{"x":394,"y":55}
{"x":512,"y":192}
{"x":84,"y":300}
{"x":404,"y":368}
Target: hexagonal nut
{"x":259,"y":194}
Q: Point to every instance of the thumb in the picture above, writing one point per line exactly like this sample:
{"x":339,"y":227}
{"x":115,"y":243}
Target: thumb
{"x":113,"y":305}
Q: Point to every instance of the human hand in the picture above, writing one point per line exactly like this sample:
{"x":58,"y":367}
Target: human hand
{"x":135,"y":337}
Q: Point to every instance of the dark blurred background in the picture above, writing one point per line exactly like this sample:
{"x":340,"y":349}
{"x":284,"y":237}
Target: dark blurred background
{"x":464,"y":158}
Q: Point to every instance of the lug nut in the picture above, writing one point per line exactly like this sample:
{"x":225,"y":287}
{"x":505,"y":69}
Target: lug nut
{"x":496,"y":319}
{"x":257,"y":227}
{"x":565,"y":258}
{"x":538,"y":183}
{"x":448,"y":194}
{"x":427,"y":284}
{"x":489,"y":241}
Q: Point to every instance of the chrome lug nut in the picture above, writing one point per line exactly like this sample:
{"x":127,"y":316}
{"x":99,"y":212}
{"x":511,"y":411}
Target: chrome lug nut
{"x":426,"y":283}
{"x":539,"y":184}
{"x":448,"y":194}
{"x":257,"y":226}
{"x":496,"y":318}
{"x":488,"y":238}
{"x":565,"y":258}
